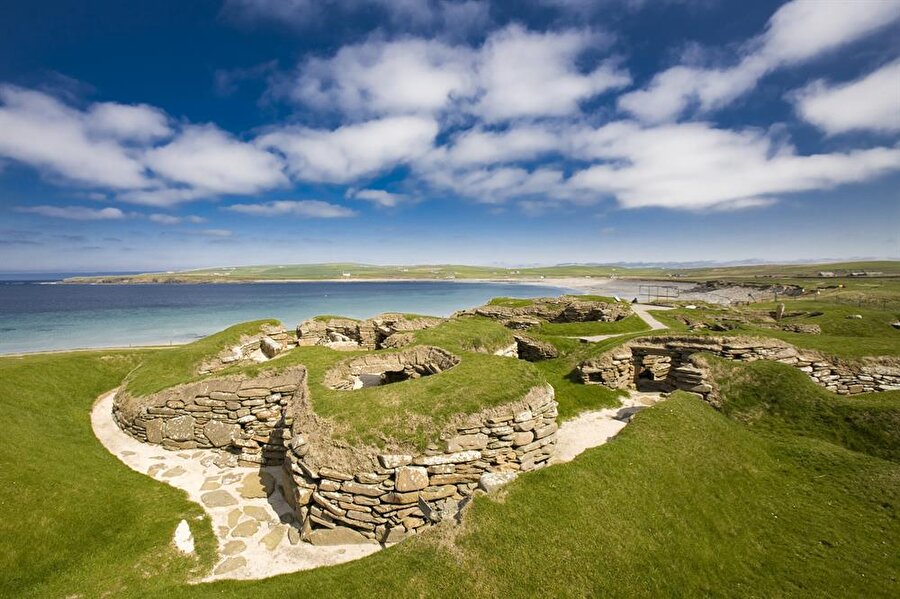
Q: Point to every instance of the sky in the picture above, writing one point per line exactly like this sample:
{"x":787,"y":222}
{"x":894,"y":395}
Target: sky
{"x":167,"y":135}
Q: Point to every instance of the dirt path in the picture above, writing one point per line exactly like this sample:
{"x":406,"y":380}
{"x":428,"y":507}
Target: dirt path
{"x":250,"y":518}
{"x":591,"y":429}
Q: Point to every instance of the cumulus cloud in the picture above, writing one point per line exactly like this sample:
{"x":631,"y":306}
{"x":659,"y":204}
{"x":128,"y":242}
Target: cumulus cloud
{"x":306,"y":208}
{"x":379,"y":197}
{"x":379,"y":77}
{"x":525,"y":74}
{"x":129,"y":122}
{"x":696,"y":166}
{"x":798,"y":31}
{"x":39,"y":130}
{"x":516,"y":73}
{"x":349,"y":152}
{"x":74,"y":212}
{"x":207,"y":158}
{"x":870,"y":103}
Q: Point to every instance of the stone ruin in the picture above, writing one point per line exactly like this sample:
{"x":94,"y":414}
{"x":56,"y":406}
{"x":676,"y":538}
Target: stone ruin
{"x":561,"y":309}
{"x":268,"y":343}
{"x":382,"y":332}
{"x":669,"y":363}
{"x":382,"y":369}
{"x":343,"y":494}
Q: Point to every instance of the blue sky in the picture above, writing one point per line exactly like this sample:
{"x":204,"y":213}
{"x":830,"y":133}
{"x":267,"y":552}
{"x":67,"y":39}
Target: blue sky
{"x":163,"y":135}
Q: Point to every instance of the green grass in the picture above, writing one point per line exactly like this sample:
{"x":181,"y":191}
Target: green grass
{"x":630,"y":324}
{"x":177,"y":365}
{"x":685,"y":502}
{"x":511,"y":302}
{"x":73,"y":519}
{"x":872,"y":335}
{"x":781,"y":400}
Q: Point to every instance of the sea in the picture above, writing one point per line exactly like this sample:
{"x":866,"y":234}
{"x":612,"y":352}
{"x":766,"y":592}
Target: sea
{"x":42,"y":314}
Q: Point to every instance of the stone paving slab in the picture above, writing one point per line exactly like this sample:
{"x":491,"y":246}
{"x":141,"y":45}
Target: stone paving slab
{"x":252,"y":522}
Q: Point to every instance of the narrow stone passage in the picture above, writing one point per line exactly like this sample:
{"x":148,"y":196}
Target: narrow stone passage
{"x":250,"y":518}
{"x":643,"y":312}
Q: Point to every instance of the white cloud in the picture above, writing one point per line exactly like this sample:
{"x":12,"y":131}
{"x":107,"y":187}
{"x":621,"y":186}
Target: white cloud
{"x":306,"y":208}
{"x":352,"y":151}
{"x":516,"y":73}
{"x":377,"y":77}
{"x":870,"y":103}
{"x":379,"y":197}
{"x":207,"y":158}
{"x":39,"y":130}
{"x":798,"y":31}
{"x":695,"y":166}
{"x":500,"y":184}
{"x":74,"y":212}
{"x":526,"y":74}
{"x":121,"y":121}
{"x":479,"y":146}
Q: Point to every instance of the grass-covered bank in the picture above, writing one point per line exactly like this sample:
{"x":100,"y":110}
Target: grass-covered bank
{"x":73,"y":519}
{"x":686,"y":501}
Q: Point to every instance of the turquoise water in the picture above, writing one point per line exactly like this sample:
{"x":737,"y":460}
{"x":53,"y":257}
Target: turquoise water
{"x":36,"y":316}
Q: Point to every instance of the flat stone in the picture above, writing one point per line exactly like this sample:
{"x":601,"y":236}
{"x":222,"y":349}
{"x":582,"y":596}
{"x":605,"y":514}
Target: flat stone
{"x":221,"y":434}
{"x":410,"y":478}
{"x":467,"y":442}
{"x":259,"y":513}
{"x":339,"y":535}
{"x":491,"y":481}
{"x":257,"y":485}
{"x":173,"y":472}
{"x":448,"y":458}
{"x":210,"y":485}
{"x":293,"y":535}
{"x":523,"y":438}
{"x":232,"y":547}
{"x":273,"y":538}
{"x":230,"y":565}
{"x":154,"y":430}
{"x":220,"y":498}
{"x":247,"y":528}
{"x":394,"y":460}
{"x":180,"y":428}
{"x":436,"y":493}
{"x":234,"y":516}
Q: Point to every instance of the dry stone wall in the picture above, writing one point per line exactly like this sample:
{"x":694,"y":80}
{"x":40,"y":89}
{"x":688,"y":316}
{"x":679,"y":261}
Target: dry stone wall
{"x":386,"y":497}
{"x":667,"y":363}
{"x":390,"y":367}
{"x":385,"y":330}
{"x":244,"y":416}
{"x":561,"y":309}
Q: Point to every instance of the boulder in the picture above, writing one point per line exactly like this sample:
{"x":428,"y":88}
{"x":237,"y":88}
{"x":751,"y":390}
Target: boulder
{"x":270,"y":348}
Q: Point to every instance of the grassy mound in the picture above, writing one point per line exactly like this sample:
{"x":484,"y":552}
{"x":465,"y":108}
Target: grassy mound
{"x":781,"y":400}
{"x":415,"y":411}
{"x":178,"y":365}
{"x":685,"y":502}
{"x":73,"y":519}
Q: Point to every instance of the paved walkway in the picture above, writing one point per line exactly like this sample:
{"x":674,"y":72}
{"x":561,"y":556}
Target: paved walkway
{"x":643,"y":312}
{"x":250,"y":518}
{"x":592,"y":429}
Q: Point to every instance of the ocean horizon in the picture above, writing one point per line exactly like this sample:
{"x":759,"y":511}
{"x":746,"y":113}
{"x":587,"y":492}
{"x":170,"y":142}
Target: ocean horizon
{"x":36,"y":316}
